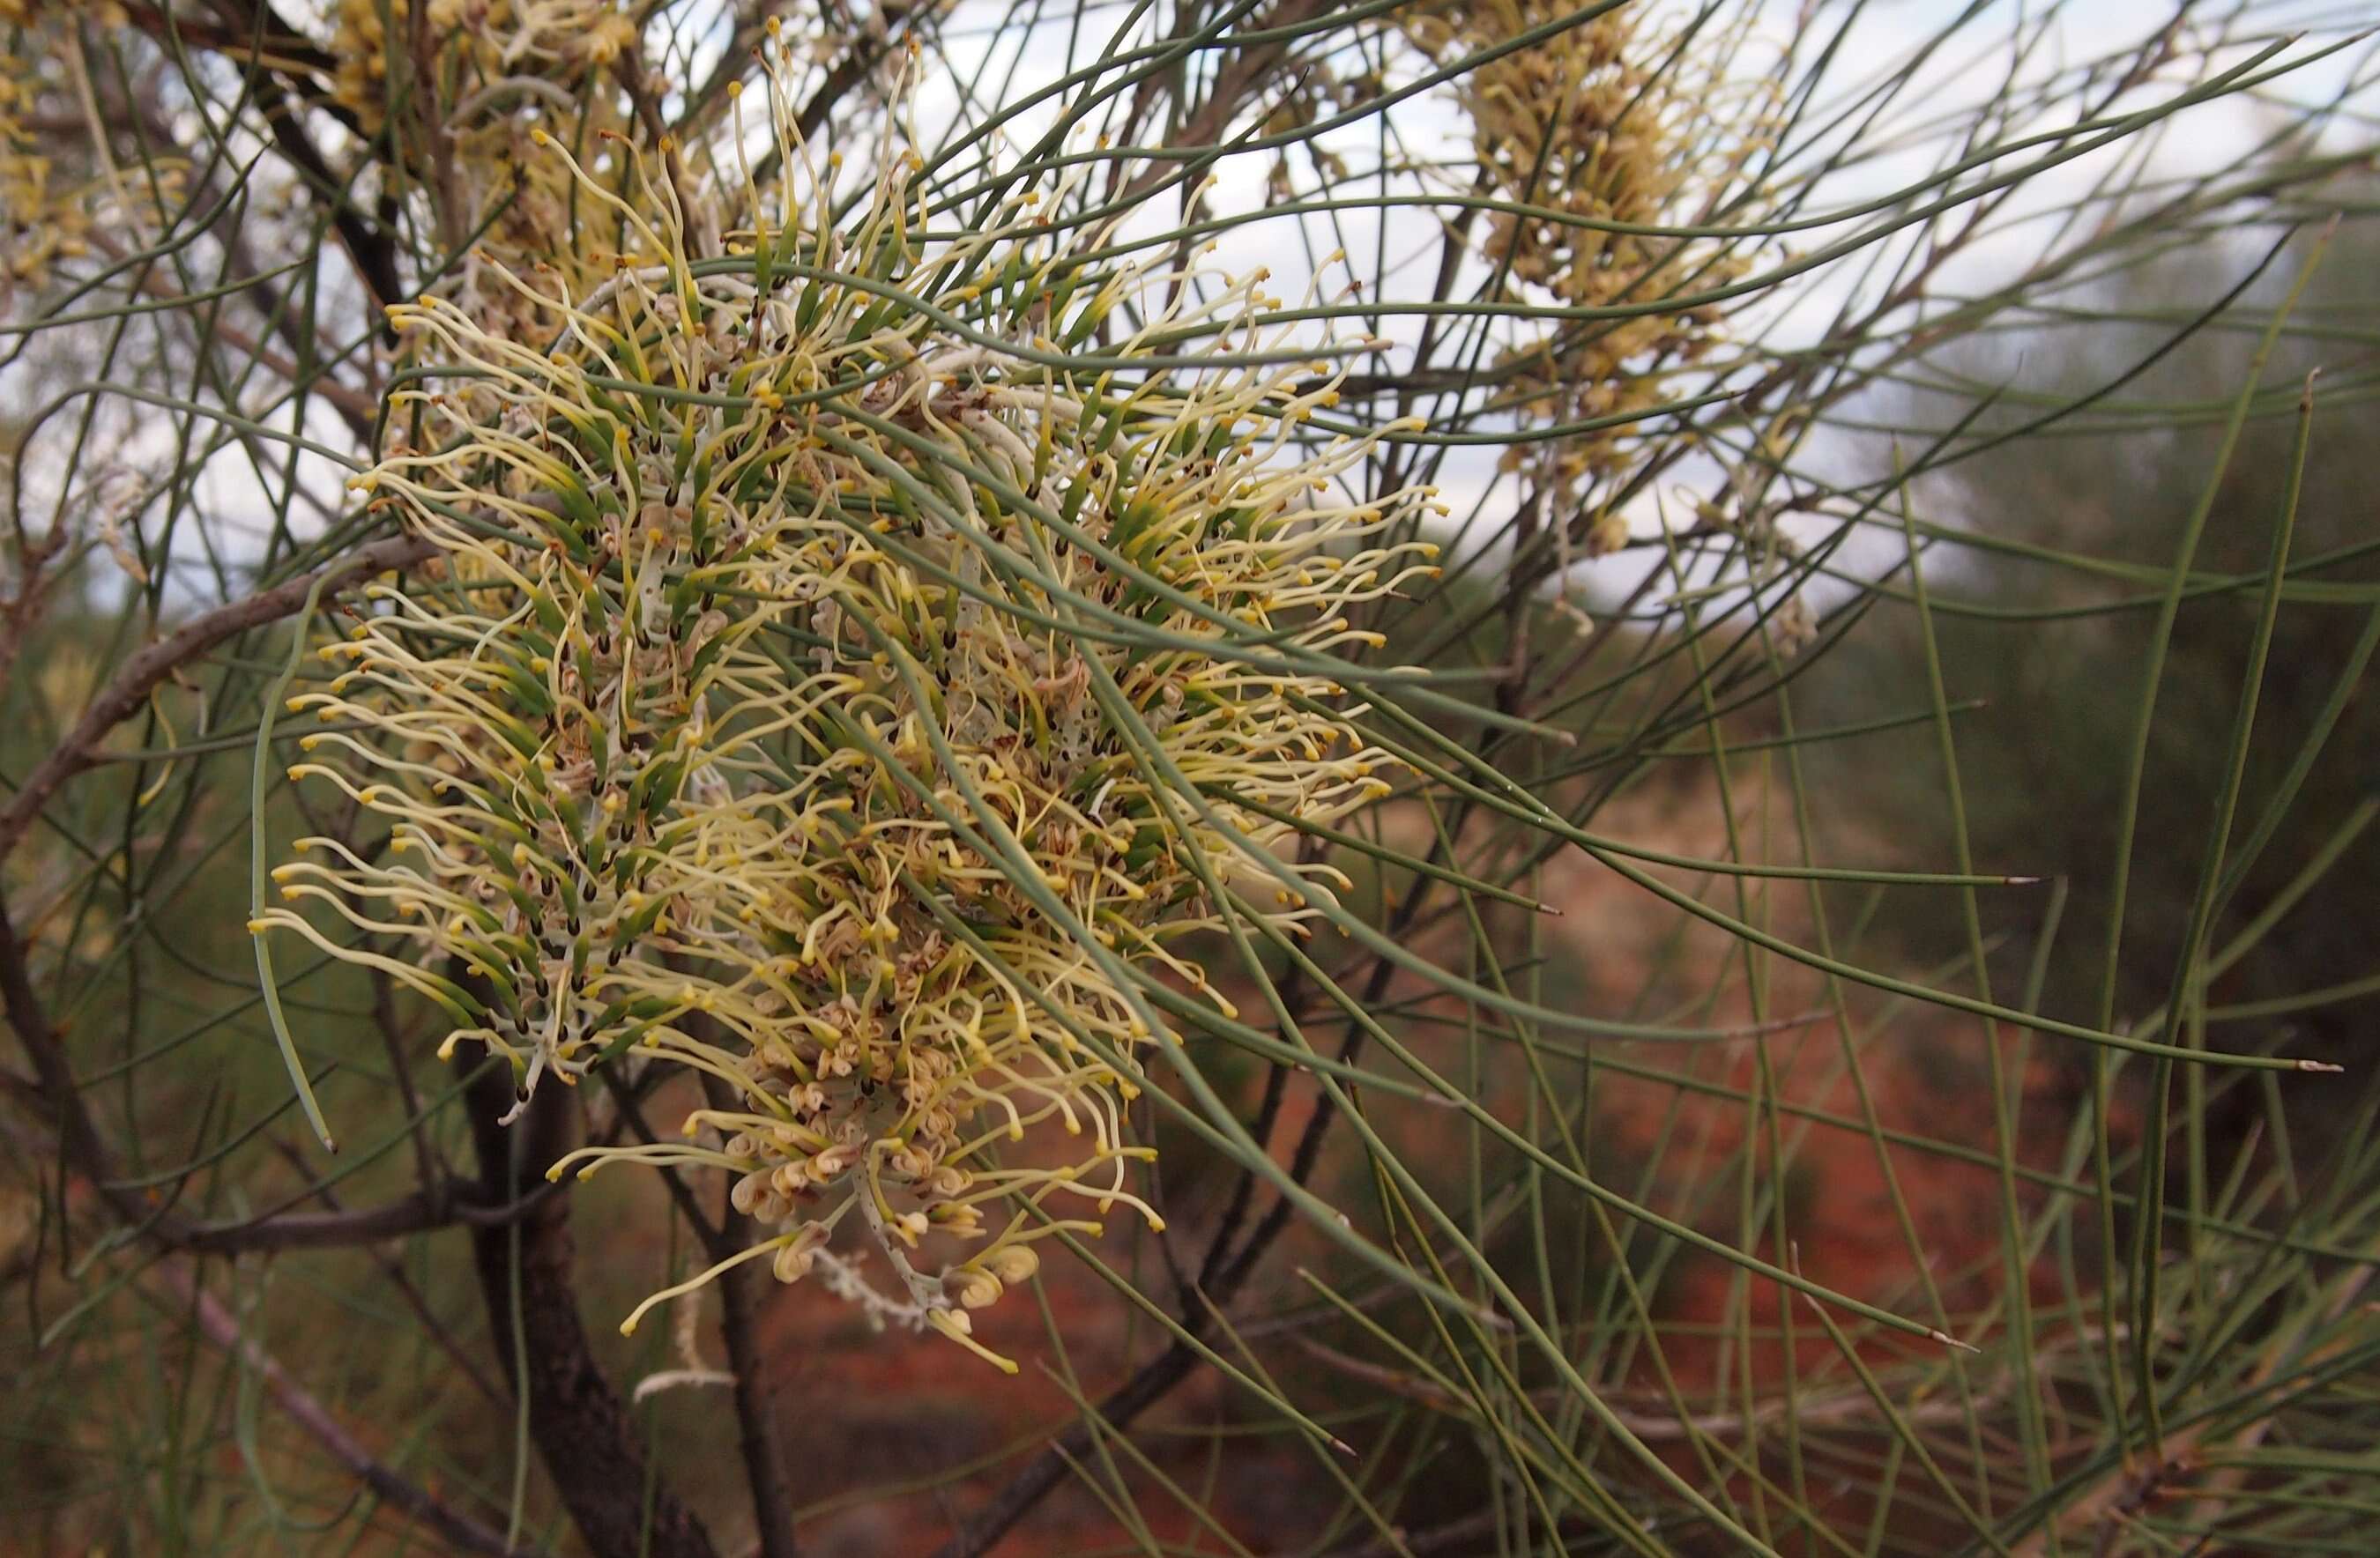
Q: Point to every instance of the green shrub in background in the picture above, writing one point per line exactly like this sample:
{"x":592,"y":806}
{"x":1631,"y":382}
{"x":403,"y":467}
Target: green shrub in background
{"x":2055,"y":653}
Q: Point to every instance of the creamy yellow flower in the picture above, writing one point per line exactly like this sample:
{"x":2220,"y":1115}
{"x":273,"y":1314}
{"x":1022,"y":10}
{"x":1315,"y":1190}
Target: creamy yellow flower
{"x":828,"y":693}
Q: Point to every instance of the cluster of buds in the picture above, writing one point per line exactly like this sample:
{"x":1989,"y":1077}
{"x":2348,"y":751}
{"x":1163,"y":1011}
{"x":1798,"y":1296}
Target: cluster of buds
{"x":481,"y":79}
{"x":470,"y":56}
{"x":1611,"y":124}
{"x":40,"y":223}
{"x":51,"y":213}
{"x":828,"y":692}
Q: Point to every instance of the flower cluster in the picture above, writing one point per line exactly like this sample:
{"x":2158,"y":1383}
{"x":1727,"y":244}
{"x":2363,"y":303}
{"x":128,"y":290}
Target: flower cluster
{"x":48,"y":211}
{"x":484,"y":78}
{"x":829,"y":691}
{"x":492,"y":48}
{"x":1605,"y":127}
{"x":40,"y":222}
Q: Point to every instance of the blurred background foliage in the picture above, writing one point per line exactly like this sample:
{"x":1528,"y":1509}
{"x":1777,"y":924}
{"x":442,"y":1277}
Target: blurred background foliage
{"x":2050,"y":655}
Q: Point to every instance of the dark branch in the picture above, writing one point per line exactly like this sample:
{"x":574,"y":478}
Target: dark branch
{"x":372,"y":250}
{"x":740,"y":1292}
{"x":441,"y":1206}
{"x":582,"y":1431}
{"x":756,"y":1425}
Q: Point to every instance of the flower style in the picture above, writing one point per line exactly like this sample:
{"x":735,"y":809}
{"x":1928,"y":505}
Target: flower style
{"x":831,"y":690}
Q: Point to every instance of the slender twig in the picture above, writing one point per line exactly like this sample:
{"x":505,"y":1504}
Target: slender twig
{"x":225,"y":1331}
{"x":1222,"y":1274}
{"x":406,"y":1288}
{"x":128,"y":693}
